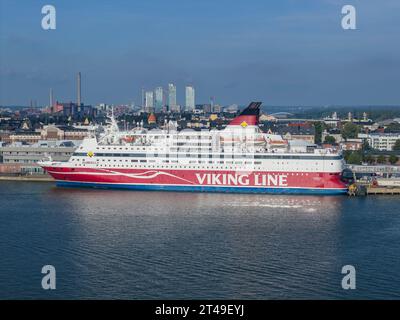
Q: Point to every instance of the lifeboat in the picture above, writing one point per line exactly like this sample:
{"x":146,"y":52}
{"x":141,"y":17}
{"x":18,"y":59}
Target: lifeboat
{"x":128,"y":139}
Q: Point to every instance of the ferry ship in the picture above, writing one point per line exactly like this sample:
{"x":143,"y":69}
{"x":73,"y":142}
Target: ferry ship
{"x":240,"y":158}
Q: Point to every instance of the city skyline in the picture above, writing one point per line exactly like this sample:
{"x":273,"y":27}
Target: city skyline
{"x":282,"y":53}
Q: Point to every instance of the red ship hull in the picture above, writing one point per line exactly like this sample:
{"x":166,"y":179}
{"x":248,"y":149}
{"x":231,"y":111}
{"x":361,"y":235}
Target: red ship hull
{"x":200,"y":180}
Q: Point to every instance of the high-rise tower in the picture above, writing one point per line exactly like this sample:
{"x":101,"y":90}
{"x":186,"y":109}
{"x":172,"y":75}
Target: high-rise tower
{"x":172,"y":97}
{"x":189,"y":94}
{"x":149,"y":104}
{"x":159,"y":99}
{"x":143,"y":98}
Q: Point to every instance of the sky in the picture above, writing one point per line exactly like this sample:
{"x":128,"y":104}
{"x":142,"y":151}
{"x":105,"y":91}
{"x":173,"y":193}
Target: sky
{"x":287,"y":52}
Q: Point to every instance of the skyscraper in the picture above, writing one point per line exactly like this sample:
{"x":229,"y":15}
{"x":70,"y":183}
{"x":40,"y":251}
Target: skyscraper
{"x":143,"y":99}
{"x":212,"y":104}
{"x":172,"y":97}
{"x":159,"y":99}
{"x":149,"y":107}
{"x":190,"y":104}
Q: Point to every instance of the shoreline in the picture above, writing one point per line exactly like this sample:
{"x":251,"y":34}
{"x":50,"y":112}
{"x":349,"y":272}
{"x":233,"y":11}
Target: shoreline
{"x":27,"y":178}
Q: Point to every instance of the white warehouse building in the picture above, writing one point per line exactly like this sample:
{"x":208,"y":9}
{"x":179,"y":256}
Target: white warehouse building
{"x":381,"y":141}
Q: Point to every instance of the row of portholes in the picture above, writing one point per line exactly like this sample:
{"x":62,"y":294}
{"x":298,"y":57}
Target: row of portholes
{"x":193,"y":165}
{"x":185,"y":167}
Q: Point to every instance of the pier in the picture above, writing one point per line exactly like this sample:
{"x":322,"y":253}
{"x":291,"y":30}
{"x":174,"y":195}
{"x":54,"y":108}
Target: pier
{"x":359,"y":189}
{"x":36,"y":178}
{"x":383,"y":190}
{"x":374,"y":180}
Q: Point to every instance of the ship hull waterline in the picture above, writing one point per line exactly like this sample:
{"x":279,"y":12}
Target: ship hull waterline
{"x":201,"y":181}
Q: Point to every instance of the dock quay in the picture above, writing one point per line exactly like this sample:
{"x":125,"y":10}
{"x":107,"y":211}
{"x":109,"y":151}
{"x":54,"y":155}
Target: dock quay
{"x":360,"y":189}
{"x":37,"y":178}
{"x":374,"y":180}
{"x":383,"y":190}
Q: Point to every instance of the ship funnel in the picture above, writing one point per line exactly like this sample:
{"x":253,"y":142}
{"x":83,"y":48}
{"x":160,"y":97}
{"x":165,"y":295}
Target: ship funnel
{"x":249,"y":116}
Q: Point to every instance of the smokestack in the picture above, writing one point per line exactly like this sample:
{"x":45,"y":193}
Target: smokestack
{"x":79,"y":88}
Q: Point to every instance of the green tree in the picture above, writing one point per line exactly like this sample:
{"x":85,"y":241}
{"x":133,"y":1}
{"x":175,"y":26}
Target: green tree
{"x":330,"y":140}
{"x":346,"y":155}
{"x":365,"y":146}
{"x":355,"y":158}
{"x":319,"y":127}
{"x":393,"y":159}
{"x":396,"y":146}
{"x":393,"y":128}
{"x":350,"y":130}
{"x":381,"y":159}
{"x":369,"y":159}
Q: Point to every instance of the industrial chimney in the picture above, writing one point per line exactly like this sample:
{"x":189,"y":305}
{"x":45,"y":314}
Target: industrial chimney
{"x":51,"y":98}
{"x":79,"y":89}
